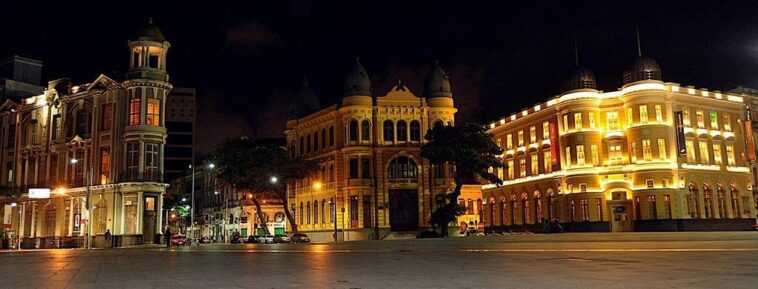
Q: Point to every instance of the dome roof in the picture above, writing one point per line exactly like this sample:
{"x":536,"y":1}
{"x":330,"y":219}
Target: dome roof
{"x":580,"y":78}
{"x":643,"y":68}
{"x":437,"y":83}
{"x":151,"y":33}
{"x":304,"y":102}
{"x":357,"y":81}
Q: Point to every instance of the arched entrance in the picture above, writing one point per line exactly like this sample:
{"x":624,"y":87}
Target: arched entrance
{"x":402,"y":174}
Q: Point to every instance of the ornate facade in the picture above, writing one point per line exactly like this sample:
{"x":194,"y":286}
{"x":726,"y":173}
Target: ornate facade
{"x":103,"y":139}
{"x":651,"y":156}
{"x":368,"y":148}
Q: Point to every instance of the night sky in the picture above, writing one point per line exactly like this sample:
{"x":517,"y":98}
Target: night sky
{"x":247,"y":58}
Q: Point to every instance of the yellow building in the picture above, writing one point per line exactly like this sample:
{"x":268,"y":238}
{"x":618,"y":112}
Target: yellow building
{"x":103,"y":139}
{"x":368,"y":149}
{"x":650,"y":156}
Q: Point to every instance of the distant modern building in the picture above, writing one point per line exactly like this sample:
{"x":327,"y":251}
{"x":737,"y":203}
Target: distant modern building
{"x":20,"y":77}
{"x":368,"y":148}
{"x":105,"y":139}
{"x":651,"y":156}
{"x":180,"y":122}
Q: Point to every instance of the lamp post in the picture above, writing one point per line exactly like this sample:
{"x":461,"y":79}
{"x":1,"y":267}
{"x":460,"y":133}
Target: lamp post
{"x":88,"y":230}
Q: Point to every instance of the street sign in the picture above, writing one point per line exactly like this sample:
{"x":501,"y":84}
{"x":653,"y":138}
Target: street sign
{"x":39,"y":193}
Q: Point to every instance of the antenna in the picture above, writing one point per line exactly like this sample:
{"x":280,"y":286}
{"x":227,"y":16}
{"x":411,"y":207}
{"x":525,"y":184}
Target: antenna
{"x":576,"y":52}
{"x":639,"y":47}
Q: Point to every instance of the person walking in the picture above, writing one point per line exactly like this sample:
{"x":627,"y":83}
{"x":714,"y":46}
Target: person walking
{"x":108,"y":243}
{"x":167,"y":236}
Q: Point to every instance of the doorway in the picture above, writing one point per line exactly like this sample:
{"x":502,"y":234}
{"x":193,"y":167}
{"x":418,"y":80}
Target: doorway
{"x":620,"y":217}
{"x":149,"y":221}
{"x":403,"y":210}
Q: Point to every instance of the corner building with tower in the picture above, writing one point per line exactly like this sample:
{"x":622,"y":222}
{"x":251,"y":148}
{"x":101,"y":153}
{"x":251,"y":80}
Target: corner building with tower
{"x":651,"y":156}
{"x":106,"y":138}
{"x":371,"y":174}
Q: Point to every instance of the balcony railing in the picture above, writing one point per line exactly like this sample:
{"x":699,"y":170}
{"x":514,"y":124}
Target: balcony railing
{"x":156,"y":177}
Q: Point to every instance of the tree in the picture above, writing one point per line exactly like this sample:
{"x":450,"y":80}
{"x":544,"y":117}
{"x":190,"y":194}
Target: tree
{"x":471,"y":151}
{"x":9,"y":192}
{"x":261,"y":168}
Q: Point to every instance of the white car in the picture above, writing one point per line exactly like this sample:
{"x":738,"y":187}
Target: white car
{"x":267,"y":239}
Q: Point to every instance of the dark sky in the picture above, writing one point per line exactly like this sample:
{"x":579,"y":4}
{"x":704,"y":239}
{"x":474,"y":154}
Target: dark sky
{"x":246,"y":58}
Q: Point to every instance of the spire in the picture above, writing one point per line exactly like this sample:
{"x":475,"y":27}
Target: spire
{"x":639,"y":47}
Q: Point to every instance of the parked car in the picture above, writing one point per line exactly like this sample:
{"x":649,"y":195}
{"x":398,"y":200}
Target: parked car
{"x":252,"y":239}
{"x":279,"y":238}
{"x":178,"y":240}
{"x":300,"y":238}
{"x":267,"y":239}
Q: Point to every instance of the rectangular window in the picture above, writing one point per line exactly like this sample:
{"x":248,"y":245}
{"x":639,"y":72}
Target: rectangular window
{"x":520,"y":138}
{"x":652,"y":210}
{"x":727,"y":122}
{"x":615,"y":154}
{"x":533,"y":134}
{"x":106,"y":117}
{"x":664,"y":183}
{"x":643,"y":113}
{"x":57,"y":130}
{"x":509,"y":141}
{"x":153,"y":112}
{"x":647,"y":150}
{"x":522,"y":167}
{"x":704,"y":156}
{"x":565,"y":122}
{"x":353,"y":168}
{"x":545,"y":130}
{"x":580,"y":155}
{"x":650,"y":183}
{"x":568,"y":156}
{"x":612,"y":119}
{"x":578,"y":121}
{"x":134,"y":109}
{"x":595,"y":157}
{"x":365,"y":168}
{"x":633,"y":152}
{"x":573,"y":211}
{"x":690,"y":151}
{"x":658,"y":113}
{"x":535,"y":164}
{"x":662,"y":149}
{"x":132,"y":150}
{"x":54,"y":168}
{"x":667,"y":206}
{"x":583,"y":187}
{"x":152,"y":161}
{"x":637,"y":209}
{"x":700,"y":119}
{"x":730,"y":155}
{"x":714,"y":120}
{"x":548,"y":161}
{"x":599,"y":203}
{"x":585,"y":210}
{"x":510,"y":170}
{"x":629,"y":117}
{"x":686,"y":117}
{"x":717,"y":153}
{"x":105,"y":165}
{"x":591,"y":117}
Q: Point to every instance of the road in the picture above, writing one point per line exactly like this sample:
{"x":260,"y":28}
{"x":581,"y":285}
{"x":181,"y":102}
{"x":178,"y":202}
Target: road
{"x":580,"y":260}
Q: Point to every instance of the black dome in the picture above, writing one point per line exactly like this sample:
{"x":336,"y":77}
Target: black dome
{"x":643,"y":68}
{"x":151,"y":33}
{"x":305,"y":102}
{"x":580,"y":78}
{"x":357,"y":81}
{"x":437,"y":83}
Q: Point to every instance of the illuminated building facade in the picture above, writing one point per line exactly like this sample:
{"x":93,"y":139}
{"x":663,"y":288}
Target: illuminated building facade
{"x":368,"y":149}
{"x":651,"y":156}
{"x":105,"y":137}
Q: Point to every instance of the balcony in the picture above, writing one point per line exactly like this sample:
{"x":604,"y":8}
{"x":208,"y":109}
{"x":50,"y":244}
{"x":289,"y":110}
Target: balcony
{"x":149,"y":176}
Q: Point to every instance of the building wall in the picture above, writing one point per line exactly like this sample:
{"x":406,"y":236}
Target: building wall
{"x":180,"y":121}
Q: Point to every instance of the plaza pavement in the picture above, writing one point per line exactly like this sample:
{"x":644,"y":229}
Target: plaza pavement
{"x":580,"y":260}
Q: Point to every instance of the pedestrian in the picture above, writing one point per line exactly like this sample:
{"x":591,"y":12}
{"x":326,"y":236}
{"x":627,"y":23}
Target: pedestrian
{"x":108,"y":243}
{"x":545,"y":226}
{"x":167,"y":236}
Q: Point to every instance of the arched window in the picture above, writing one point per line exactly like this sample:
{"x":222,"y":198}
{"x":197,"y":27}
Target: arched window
{"x":502,"y":209}
{"x":721,"y":201}
{"x":438,"y":124}
{"x":302,"y":145}
{"x":707,"y":204}
{"x":389,"y":131}
{"x":402,"y":131}
{"x":492,"y":204}
{"x":513,"y":210}
{"x":525,"y":209}
{"x":551,"y":205}
{"x":323,"y":208}
{"x":693,"y":205}
{"x":332,"y":211}
{"x":415,"y":130}
{"x":734,"y":200}
{"x":331,"y":135}
{"x":538,"y":208}
{"x":403,"y":168}
{"x":301,"y":213}
{"x":308,"y":144}
{"x":315,"y":141}
{"x":315,"y":212}
{"x":323,"y":138}
{"x":308,"y":214}
{"x":365,"y":130}
{"x":353,"y":132}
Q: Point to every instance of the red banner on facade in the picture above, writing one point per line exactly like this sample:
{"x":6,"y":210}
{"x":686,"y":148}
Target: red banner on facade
{"x":554,"y":151}
{"x":749,"y":140}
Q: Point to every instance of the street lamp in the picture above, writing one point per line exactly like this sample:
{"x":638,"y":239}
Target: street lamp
{"x":274,"y":180}
{"x":87,"y":244}
{"x":184,"y":199}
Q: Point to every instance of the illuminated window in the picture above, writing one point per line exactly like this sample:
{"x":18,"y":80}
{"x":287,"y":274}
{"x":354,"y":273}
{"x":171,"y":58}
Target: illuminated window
{"x":578,"y":121}
{"x":615,"y":154}
{"x":650,"y":183}
{"x":153,"y":112}
{"x":629,"y":117}
{"x":509,"y":141}
{"x":520,"y":138}
{"x":662,"y":149}
{"x":714,"y":120}
{"x":545,"y":130}
{"x":730,"y":154}
{"x":499,"y":143}
{"x":647,"y":150}
{"x":565,"y":122}
{"x":727,"y":122}
{"x":690,"y":151}
{"x":510,"y":170}
{"x":548,"y":160}
{"x":704,"y":157}
{"x":522,"y":167}
{"x":643,"y":113}
{"x":658,"y":113}
{"x":686,"y":117}
{"x":633,"y":152}
{"x":700,"y":119}
{"x":585,"y":210}
{"x":717,"y":153}
{"x":580,"y":155}
{"x":535,"y":164}
{"x":595,"y":158}
{"x":105,"y":165}
{"x":591,"y":117}
{"x":568,"y":156}
{"x":533,"y":134}
{"x":134,"y":108}
{"x":612,"y":119}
